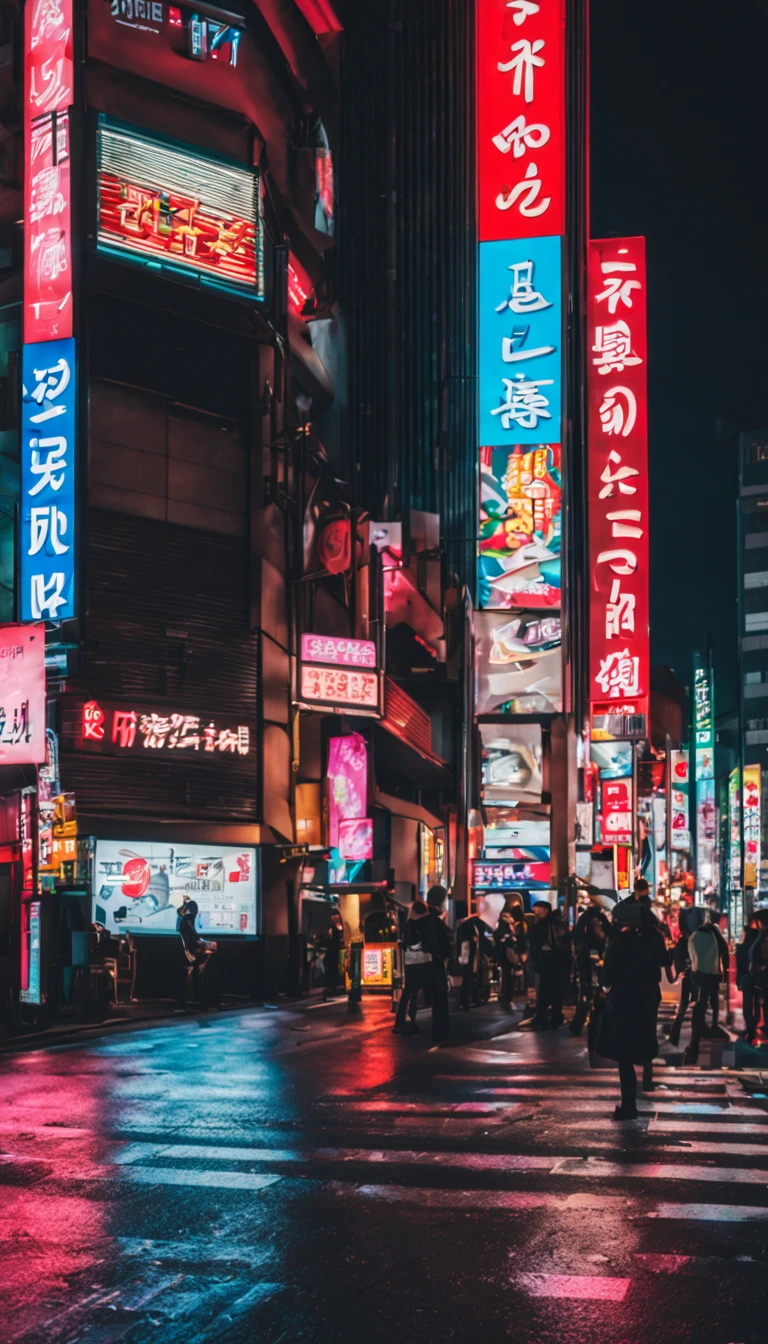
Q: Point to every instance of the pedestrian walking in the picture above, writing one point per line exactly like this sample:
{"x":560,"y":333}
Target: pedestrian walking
{"x":510,"y":950}
{"x":710,"y":959}
{"x":417,"y":959}
{"x":334,"y":948}
{"x":590,"y":939}
{"x":689,"y":993}
{"x":440,"y":945}
{"x":632,"y":975}
{"x":758,"y":964}
{"x":550,"y":949}
{"x":745,"y":980}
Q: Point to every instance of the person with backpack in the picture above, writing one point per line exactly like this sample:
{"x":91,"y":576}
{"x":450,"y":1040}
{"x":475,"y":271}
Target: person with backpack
{"x":710,"y":959}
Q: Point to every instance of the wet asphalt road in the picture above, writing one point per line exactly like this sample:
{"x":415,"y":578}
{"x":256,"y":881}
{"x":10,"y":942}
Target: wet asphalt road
{"x":292,"y":1175}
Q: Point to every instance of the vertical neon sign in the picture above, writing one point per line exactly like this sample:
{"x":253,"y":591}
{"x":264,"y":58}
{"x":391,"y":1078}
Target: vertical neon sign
{"x":48,"y":95}
{"x":618,"y":478}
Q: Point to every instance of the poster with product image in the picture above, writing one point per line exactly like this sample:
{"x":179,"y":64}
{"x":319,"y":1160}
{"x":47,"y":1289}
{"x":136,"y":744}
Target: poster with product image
{"x":139,"y":886}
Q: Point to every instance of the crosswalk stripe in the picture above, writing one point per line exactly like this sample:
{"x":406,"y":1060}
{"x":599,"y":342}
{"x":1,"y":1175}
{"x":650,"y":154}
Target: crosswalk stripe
{"x":591,"y":1288}
{"x":665,"y":1126}
{"x":212,"y":1180}
{"x":583,"y":1168}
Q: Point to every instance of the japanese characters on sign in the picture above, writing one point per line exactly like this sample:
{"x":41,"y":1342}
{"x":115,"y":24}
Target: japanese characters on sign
{"x":520,"y":118}
{"x":332,"y":686}
{"x":22,"y":695}
{"x":330,"y":649}
{"x":116,"y":729}
{"x":179,"y":209}
{"x":703,"y":718}
{"x":47,"y":530}
{"x":618,"y":476}
{"x":48,"y":93}
{"x":536,"y":874}
{"x":520,"y":342}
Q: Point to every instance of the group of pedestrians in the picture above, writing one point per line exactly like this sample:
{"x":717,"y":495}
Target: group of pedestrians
{"x":426,"y":949}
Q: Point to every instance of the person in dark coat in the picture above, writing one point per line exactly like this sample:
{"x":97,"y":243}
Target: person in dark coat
{"x":441,"y":946}
{"x":197,"y":954}
{"x":550,"y":948}
{"x":632,"y":975}
{"x":745,"y":979}
{"x":334,"y":946}
{"x":417,"y":957}
{"x":590,"y":938}
{"x":510,"y":951}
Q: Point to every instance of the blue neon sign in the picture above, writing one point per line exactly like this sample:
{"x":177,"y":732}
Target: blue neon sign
{"x":47,"y":534}
{"x":520,"y":342}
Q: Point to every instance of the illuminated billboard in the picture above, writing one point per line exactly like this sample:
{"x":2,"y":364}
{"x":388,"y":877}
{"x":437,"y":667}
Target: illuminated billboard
{"x":170,"y":207}
{"x":138,"y":886}
{"x":520,"y":116}
{"x":22,"y":695}
{"x":511,"y":763}
{"x":525,"y":873}
{"x":518,"y":663}
{"x":48,"y":590}
{"x":520,"y":342}
{"x":681,"y":834}
{"x":519,"y":562}
{"x":752,"y":799}
{"x":613,"y":760}
{"x":341,"y":672}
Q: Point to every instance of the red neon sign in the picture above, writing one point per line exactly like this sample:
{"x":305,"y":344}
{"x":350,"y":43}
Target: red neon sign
{"x":618,"y":473}
{"x":520,"y":118}
{"x":48,"y":93}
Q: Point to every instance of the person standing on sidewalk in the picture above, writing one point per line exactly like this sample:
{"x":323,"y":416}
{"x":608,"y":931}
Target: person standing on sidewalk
{"x":745,"y":980}
{"x":710,"y":960}
{"x":550,"y":948}
{"x":334,"y":948}
{"x":439,"y":944}
{"x":417,"y":957}
{"x":632,"y":975}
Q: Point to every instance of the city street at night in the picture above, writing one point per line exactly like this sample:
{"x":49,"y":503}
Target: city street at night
{"x":383,"y":672}
{"x":294,"y":1174}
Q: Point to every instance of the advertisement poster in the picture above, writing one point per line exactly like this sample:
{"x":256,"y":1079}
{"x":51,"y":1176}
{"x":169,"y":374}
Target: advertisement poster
{"x":617,"y":812}
{"x":511,"y":763}
{"x":347,"y":780}
{"x":734,"y":831}
{"x":531,"y":870}
{"x":752,"y":799}
{"x":138,"y":886}
{"x":681,"y":834}
{"x":518,"y":663}
{"x":519,"y":562}
{"x":22,"y":695}
{"x":613,"y":759}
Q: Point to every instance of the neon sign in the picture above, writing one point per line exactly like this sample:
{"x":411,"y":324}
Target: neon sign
{"x":520,"y":118}
{"x":329,"y":649}
{"x":618,"y":473}
{"x":48,"y":93}
{"x":117,"y":729}
{"x":177,"y":208}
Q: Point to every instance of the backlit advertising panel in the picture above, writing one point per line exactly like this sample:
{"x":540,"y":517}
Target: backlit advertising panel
{"x":22,"y":695}
{"x":752,"y":801}
{"x":171,"y":207}
{"x":520,"y":55}
{"x":510,"y":763}
{"x":618,"y":476}
{"x":518,"y":666}
{"x":519,"y":562}
{"x":681,"y":834}
{"x":138,"y":886}
{"x":347,"y":785}
{"x":525,"y":873}
{"x":47,"y":514}
{"x":617,"y":811}
{"x":520,"y":356}
{"x":48,"y":93}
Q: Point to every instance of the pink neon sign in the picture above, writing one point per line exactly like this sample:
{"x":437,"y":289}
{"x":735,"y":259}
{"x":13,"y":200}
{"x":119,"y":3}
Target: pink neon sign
{"x":48,"y":93}
{"x":330,"y":649}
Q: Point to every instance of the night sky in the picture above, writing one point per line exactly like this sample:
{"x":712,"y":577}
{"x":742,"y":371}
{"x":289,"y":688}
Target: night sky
{"x":679,"y":129}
